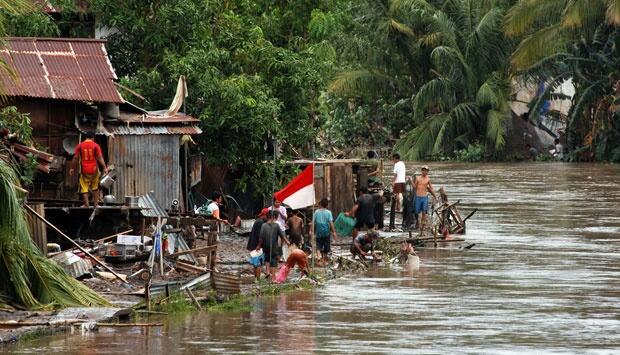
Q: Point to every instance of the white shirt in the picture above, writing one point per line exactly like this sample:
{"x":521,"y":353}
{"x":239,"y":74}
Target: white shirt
{"x":400,"y":171}
{"x":559,"y":150}
{"x":281,"y":217}
{"x":212,"y":207}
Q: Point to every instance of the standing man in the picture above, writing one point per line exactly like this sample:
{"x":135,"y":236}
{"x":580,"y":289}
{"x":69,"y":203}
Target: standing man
{"x":282,"y":216}
{"x":398,"y":181}
{"x":322,"y":227}
{"x":295,"y":226}
{"x":363,"y":211}
{"x":270,"y":231}
{"x":423,"y":186}
{"x":88,"y":154}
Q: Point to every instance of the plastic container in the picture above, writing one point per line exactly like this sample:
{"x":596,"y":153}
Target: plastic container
{"x":344,"y":225}
{"x":257,"y":257}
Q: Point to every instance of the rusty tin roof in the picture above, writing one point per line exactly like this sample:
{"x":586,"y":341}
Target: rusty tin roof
{"x":59,"y":68}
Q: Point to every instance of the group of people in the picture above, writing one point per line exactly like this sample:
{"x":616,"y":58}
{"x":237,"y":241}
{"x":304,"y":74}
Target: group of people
{"x":422,"y":186}
{"x":269,"y":233}
{"x":275,"y":228}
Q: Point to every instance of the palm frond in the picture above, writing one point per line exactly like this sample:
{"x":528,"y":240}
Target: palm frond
{"x":359,"y":82}
{"x":613,"y":12}
{"x":401,"y":28}
{"x":420,"y":142}
{"x":29,"y":278}
{"x":541,"y":44}
{"x":522,"y":17}
{"x":437,"y":93}
{"x":496,"y":128}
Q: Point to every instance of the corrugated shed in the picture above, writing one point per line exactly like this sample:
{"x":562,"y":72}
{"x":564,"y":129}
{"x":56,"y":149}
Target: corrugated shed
{"x":59,"y":68}
{"x":159,"y":129}
{"x":146,"y":163}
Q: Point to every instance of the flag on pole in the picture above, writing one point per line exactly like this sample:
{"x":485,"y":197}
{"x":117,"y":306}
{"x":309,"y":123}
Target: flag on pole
{"x":299,"y":193}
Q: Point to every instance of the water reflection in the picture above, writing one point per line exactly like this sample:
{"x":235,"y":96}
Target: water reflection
{"x":544,"y":276}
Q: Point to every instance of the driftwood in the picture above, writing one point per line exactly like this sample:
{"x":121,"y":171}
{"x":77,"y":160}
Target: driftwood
{"x":74,"y":243}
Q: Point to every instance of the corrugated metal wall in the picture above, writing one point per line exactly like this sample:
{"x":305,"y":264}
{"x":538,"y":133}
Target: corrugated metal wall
{"x":146,"y":163}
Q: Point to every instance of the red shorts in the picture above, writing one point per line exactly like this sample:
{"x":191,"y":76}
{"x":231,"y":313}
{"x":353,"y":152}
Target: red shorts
{"x":299,"y":258}
{"x":399,"y":187}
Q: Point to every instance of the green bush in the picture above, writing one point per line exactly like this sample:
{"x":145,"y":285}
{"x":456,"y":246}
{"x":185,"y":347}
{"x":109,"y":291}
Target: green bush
{"x":473,"y":153}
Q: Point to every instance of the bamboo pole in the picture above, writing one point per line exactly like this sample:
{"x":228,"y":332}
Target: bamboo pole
{"x":74,"y":243}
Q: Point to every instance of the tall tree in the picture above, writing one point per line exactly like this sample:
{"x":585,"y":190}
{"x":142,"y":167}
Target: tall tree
{"x":549,"y":26}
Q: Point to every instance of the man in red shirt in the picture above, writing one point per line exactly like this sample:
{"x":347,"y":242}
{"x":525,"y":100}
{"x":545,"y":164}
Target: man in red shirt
{"x":88,"y":153}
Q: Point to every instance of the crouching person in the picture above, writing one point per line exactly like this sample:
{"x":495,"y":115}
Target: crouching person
{"x":297,"y":257}
{"x":363,"y":245}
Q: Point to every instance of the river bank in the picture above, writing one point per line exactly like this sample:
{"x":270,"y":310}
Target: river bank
{"x":542,"y":278}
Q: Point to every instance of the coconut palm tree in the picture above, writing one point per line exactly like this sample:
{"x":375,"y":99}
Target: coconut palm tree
{"x":467,"y":98}
{"x":547,"y":26}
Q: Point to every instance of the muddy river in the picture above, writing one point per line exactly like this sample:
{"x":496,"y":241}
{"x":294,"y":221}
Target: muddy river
{"x":544,"y":276}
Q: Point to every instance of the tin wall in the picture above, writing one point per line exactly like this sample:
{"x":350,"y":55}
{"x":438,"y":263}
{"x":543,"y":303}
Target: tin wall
{"x":146,"y":163}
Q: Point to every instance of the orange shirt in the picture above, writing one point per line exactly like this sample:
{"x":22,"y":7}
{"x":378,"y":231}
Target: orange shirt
{"x":89,"y":152}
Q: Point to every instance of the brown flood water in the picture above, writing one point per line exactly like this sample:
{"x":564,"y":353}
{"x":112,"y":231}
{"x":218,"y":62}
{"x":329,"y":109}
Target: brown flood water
{"x":543,"y":277}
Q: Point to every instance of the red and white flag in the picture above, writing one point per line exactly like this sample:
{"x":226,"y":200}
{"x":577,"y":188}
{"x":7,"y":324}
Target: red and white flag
{"x":299,"y":193}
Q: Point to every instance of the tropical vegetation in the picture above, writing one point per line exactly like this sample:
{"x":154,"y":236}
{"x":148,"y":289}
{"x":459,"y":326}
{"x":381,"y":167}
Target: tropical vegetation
{"x":27,"y":277}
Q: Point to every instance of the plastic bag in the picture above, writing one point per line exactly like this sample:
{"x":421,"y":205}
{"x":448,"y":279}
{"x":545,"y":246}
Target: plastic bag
{"x":282,"y":274}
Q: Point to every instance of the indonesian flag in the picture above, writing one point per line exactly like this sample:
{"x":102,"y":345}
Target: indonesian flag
{"x":299,"y":193}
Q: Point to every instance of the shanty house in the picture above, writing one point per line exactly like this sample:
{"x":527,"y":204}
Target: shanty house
{"x":58,"y":82}
{"x":67,"y":86}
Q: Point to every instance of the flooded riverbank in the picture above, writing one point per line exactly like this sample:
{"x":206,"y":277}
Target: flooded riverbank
{"x":544,"y":276}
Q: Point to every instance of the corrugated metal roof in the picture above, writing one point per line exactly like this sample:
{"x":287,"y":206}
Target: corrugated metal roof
{"x":131,"y":117}
{"x":151,"y":207}
{"x":125,"y":130}
{"x":59,"y":68}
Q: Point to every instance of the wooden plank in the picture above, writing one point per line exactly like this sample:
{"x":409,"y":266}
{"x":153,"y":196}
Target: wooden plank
{"x":38,"y":230}
{"x":341,"y":181}
{"x":191,"y":251}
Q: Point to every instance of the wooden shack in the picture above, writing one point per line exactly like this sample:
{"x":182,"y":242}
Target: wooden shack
{"x":339,"y":180}
{"x":58,"y":81}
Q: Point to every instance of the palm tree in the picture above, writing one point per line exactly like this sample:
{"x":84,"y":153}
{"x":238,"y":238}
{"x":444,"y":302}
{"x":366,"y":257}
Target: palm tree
{"x":382,"y":45}
{"x":549,"y":25}
{"x":467,"y":99}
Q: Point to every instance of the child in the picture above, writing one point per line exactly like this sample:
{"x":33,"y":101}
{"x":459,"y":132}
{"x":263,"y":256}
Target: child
{"x":295,"y":228}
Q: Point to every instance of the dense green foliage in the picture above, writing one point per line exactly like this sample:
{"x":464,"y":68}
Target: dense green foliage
{"x":323,"y":76}
{"x":254,"y":71}
{"x":578,"y":41}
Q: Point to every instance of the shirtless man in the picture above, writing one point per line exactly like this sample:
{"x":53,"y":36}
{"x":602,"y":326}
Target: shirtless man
{"x":423,"y":186}
{"x":295,"y":229}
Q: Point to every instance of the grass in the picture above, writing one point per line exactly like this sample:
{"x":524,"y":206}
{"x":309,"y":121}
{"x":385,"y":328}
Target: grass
{"x":235,"y":304}
{"x":177,"y":303}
